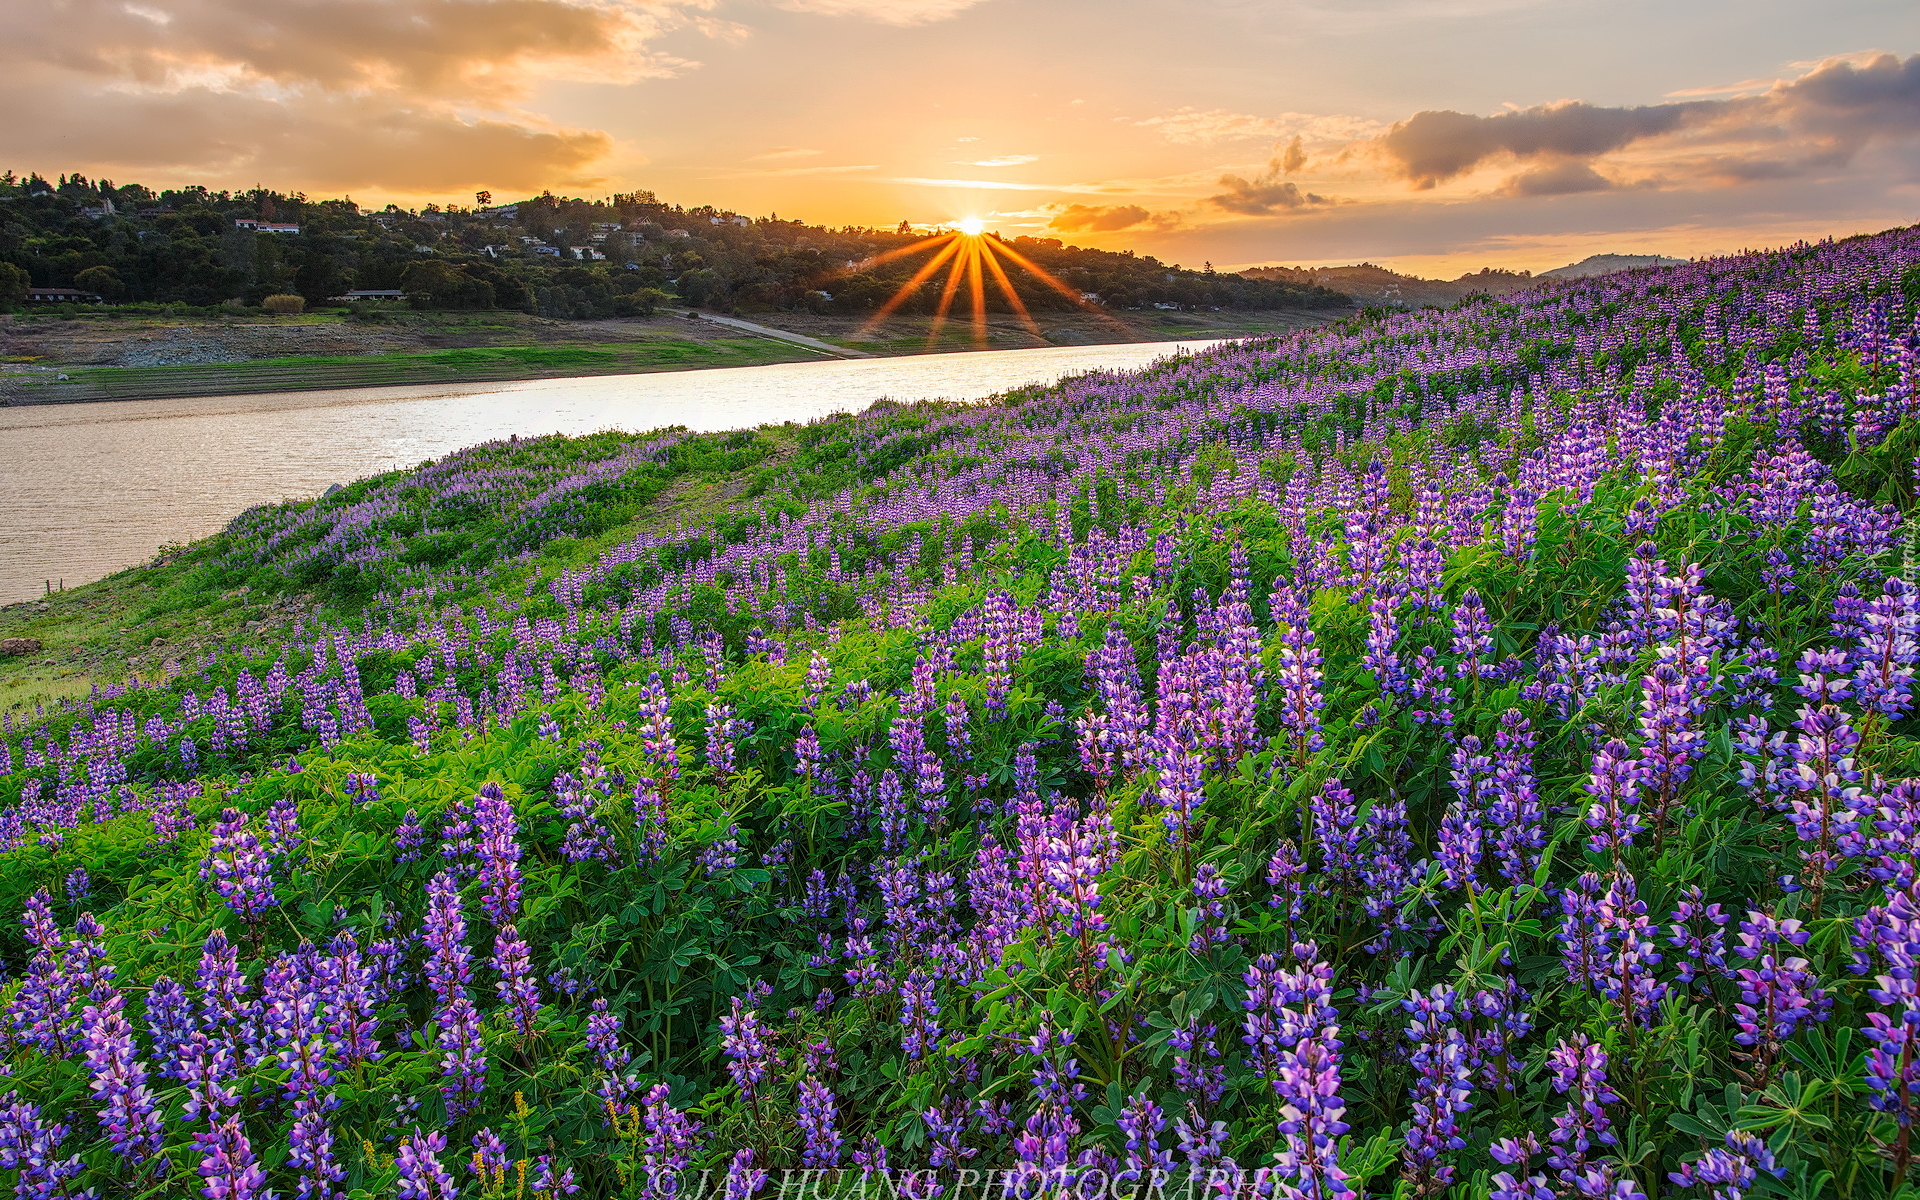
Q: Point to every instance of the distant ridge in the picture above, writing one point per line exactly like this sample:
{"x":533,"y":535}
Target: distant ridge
{"x":1607,"y":264}
{"x":1371,"y":284}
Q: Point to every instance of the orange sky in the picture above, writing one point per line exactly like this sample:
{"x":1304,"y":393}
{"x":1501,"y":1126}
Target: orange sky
{"x":1435,"y":136}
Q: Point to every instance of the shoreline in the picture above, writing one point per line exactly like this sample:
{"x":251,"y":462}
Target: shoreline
{"x":672,"y":342}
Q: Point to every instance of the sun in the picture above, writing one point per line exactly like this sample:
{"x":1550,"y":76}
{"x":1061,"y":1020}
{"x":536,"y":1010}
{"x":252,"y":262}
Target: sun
{"x":970,"y":257}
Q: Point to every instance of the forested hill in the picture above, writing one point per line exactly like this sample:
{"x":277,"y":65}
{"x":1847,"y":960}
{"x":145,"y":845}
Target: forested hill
{"x":555,"y":256}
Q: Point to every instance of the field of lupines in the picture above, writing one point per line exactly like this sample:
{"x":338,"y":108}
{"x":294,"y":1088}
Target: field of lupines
{"x":1459,"y":753}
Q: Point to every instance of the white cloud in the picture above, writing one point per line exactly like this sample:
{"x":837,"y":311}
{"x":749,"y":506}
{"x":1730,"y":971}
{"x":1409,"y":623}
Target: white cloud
{"x":1220,"y":125}
{"x":1005,"y":160}
{"x":891,"y":12}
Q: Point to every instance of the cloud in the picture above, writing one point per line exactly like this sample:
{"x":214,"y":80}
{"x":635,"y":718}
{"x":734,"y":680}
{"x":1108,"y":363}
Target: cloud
{"x":1558,"y":179}
{"x":1432,"y":147}
{"x":1005,"y":160}
{"x":891,"y":12}
{"x":785,"y":152}
{"x":326,"y":143}
{"x":472,"y":50}
{"x":403,"y":95}
{"x":1093,"y":218}
{"x":1220,"y":125}
{"x":1818,"y":121}
{"x":1268,"y":192}
{"x":848,"y":169}
{"x":996,"y":185}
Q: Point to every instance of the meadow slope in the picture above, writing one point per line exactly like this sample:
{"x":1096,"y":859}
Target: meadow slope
{"x":1461,"y":752}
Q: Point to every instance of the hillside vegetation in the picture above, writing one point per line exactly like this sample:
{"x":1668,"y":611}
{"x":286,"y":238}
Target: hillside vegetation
{"x":1455,"y":753}
{"x":552,"y":256}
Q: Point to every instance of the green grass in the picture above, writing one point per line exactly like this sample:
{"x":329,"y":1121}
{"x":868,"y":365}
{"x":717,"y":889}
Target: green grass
{"x":410,"y":367}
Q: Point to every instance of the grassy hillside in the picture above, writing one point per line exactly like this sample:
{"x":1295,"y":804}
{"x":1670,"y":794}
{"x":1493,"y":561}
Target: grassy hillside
{"x":1460,"y":753}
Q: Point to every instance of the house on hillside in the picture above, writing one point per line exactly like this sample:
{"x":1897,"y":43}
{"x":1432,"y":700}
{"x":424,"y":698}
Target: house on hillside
{"x":54,"y":295}
{"x":265,"y":226}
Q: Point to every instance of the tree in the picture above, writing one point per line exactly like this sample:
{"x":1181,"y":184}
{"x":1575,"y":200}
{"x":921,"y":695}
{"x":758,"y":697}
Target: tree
{"x":103,"y":281}
{"x":434,"y":284}
{"x":13,"y":285}
{"x":484,"y":197}
{"x":698,"y":286}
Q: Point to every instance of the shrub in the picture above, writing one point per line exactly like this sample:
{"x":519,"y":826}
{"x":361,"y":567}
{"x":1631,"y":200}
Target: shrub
{"x":284,"y":305}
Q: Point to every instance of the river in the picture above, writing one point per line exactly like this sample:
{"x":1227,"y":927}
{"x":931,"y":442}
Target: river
{"x":90,"y":489}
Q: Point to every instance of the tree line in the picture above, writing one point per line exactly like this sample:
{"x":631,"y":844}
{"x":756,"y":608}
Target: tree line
{"x":549,"y":255}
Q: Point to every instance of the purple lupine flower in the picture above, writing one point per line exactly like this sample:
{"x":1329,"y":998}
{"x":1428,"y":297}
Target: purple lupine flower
{"x":283,"y":840}
{"x":724,"y":732}
{"x":1823,"y":778}
{"x":670,"y":1137}
{"x":747,"y":1047}
{"x":32,"y":1146}
{"x":1460,"y":843}
{"x":1308,"y":1084}
{"x":408,"y":838}
{"x":170,"y":1021}
{"x":817,"y":1113}
{"x":1778,"y":993}
{"x":310,"y":1152}
{"x":449,"y":962}
{"x":655,"y":728}
{"x":587,"y":838}
{"x":944,"y":1130}
{"x":649,"y":818}
{"x":1726,"y":1173}
{"x":919,"y":1015}
{"x":44,"y":1011}
{"x":1514,"y":812}
{"x":227,"y":1163}
{"x":616,"y":1086}
{"x":237,"y":867}
{"x":463,"y":1056}
{"x":422,"y":1177}
{"x":127,"y":1107}
{"x":1472,"y":636}
{"x":1193,"y":1045}
{"x":1698,"y":931}
{"x":1523,"y":1184}
{"x":497,"y":846}
{"x":1210,"y":909}
{"x":515,"y":988}
{"x":1670,"y":708}
{"x":551,"y":1179}
{"x":1615,"y":786}
{"x":1142,"y":1122}
{"x":1383,"y":637}
{"x":1285,"y":873}
{"x":1888,"y":647}
{"x":206,"y":1066}
{"x":1580,"y":1074}
{"x":1333,"y":815}
{"x":1299,"y":672}
{"x":1607,"y":943}
{"x":1497,"y":1023}
{"x":744,"y":1180}
{"x":1442,"y":1084}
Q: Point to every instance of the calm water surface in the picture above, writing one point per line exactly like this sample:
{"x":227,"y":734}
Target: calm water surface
{"x":88,"y":489}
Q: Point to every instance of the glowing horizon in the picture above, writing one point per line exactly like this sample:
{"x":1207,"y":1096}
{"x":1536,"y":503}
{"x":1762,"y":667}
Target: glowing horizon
{"x":1516,"y":154}
{"x":970,"y":254}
